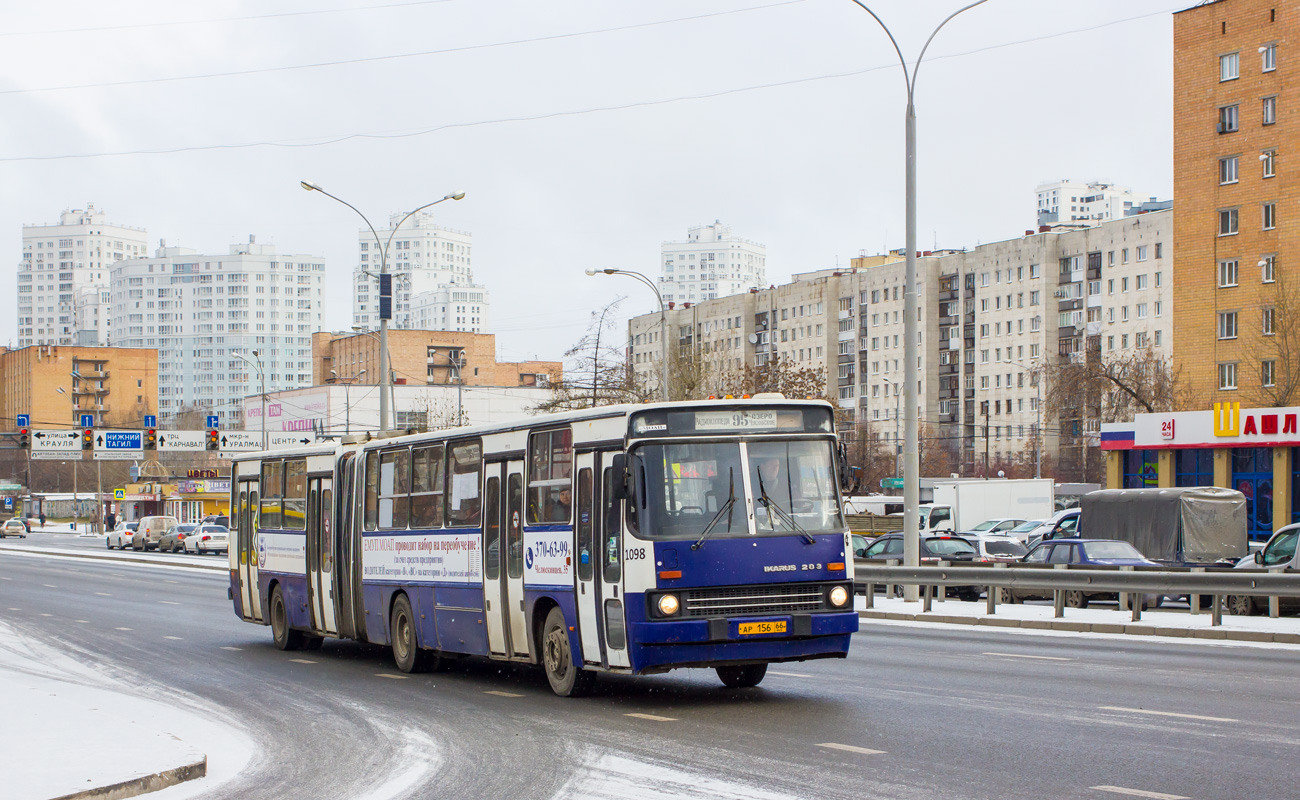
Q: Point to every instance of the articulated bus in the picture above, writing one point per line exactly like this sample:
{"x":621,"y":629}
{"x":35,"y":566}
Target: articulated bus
{"x":623,"y":539}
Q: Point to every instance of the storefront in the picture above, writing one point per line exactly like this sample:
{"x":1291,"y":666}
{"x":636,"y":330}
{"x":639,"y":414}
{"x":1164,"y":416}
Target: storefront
{"x":1255,"y":451}
{"x":192,"y":500}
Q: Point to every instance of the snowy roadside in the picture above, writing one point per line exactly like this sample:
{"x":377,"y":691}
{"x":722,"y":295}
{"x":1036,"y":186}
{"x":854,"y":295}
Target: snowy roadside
{"x":190,"y":562}
{"x":69,"y":729}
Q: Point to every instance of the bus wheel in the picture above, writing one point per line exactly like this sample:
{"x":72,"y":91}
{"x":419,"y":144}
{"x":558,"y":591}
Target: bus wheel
{"x":567,"y":679}
{"x":406,"y":645}
{"x":742,"y":676}
{"x":285,"y":637}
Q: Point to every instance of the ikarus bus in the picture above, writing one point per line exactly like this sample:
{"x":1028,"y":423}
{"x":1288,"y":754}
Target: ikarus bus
{"x":624,"y":539}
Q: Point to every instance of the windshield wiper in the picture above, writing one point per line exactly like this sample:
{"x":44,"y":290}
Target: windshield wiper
{"x":781,"y":513}
{"x":725,"y":509}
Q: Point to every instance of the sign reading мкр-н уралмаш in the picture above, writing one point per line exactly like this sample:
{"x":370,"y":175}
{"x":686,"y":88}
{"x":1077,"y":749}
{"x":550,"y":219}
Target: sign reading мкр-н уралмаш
{"x":119,"y":445}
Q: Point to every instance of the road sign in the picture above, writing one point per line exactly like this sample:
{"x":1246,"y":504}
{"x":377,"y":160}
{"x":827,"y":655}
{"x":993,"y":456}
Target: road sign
{"x":187,"y":441}
{"x":24,"y":420}
{"x":87,"y":420}
{"x":9,"y":504}
{"x":150,"y":421}
{"x":119,"y":494}
{"x":56,"y":444}
{"x":281,"y":441}
{"x":239,"y":442}
{"x":213,"y":421}
{"x":119,"y":445}
{"x":891,"y":483}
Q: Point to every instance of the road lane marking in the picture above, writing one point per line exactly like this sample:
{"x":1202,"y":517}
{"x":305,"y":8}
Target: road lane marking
{"x":1168,"y":714}
{"x":49,"y":586}
{"x":866,"y":751}
{"x":652,"y":717}
{"x":121,"y":629}
{"x":84,"y":621}
{"x":1139,"y":793}
{"x":174,"y":638}
{"x":789,"y":674}
{"x":302,"y":661}
{"x":503,"y":694}
{"x":236,"y":649}
{"x":166,"y":581}
{"x":391,"y":677}
{"x":168,"y":603}
{"x":15,"y":609}
{"x":103,"y":594}
{"x":1022,"y":655}
{"x":3,"y":578}
{"x":47,"y":615}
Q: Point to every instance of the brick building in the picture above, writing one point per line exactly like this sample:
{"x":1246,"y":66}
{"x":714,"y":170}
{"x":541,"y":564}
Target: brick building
{"x":424,"y":357}
{"x":118,"y":385}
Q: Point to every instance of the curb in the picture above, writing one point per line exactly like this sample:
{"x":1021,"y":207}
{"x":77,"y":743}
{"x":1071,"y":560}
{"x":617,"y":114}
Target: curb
{"x":222,"y":567}
{"x":1135,"y":629}
{"x":148,"y":783}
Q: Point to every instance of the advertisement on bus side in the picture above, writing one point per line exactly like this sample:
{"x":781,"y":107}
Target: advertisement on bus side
{"x":454,"y":558}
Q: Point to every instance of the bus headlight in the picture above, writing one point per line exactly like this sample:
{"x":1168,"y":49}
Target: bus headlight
{"x":668,"y":605}
{"x":838,"y":596}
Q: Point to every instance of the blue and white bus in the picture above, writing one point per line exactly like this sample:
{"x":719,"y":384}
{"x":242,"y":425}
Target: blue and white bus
{"x":625,"y":539}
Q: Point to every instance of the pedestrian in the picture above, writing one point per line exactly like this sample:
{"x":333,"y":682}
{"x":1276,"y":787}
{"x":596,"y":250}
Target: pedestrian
{"x":42,"y":518}
{"x":110,"y":521}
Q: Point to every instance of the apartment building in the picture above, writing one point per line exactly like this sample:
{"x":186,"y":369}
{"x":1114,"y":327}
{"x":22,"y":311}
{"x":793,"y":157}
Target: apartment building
{"x":64,"y":274}
{"x":710,"y":263}
{"x":425,"y":358}
{"x":433,"y":277}
{"x":1083,"y":203}
{"x":57,"y":384}
{"x":1235,"y":245}
{"x":222,"y":324}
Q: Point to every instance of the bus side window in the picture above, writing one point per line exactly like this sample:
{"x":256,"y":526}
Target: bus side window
{"x":294,"y":514}
{"x":272,"y":491}
{"x":492,"y":530}
{"x":372,"y":491}
{"x":514,"y":527}
{"x":612,"y":531}
{"x":585,"y":524}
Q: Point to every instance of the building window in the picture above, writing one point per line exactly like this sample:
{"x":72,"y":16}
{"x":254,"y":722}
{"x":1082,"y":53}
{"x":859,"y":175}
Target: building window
{"x":1158,"y":336}
{"x":1266,"y":158}
{"x":1267,"y":372}
{"x":1194,"y":467}
{"x":1229,"y":67}
{"x":1141,"y":469}
{"x":1269,"y":111}
{"x":1227,"y":119}
{"x":1227,"y":273}
{"x":1227,"y":170}
{"x":1228,"y":325}
{"x":1267,"y":266}
{"x":1228,"y":376}
{"x":1267,"y":326}
{"x":1227,"y":222}
{"x":1270,"y":216}
{"x":1268,"y":58}
{"x":1160,"y":249}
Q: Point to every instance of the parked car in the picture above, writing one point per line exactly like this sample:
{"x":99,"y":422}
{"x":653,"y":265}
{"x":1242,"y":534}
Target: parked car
{"x":150,"y":532}
{"x":121,"y":535}
{"x":860,"y":544}
{"x":936,"y":547}
{"x":13,"y":527}
{"x":1279,"y":552}
{"x":997,"y":547}
{"x":173,"y":541}
{"x":208,"y":539}
{"x":1100,"y":552}
{"x":995,"y":525}
{"x":1025,"y":528}
{"x":217,"y":519}
{"x":1062,"y":525}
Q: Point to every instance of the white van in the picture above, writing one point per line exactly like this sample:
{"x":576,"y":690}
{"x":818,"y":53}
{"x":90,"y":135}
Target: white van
{"x":150,"y":530}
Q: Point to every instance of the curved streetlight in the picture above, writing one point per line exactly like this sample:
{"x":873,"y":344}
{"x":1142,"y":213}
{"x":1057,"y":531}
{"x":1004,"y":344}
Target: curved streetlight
{"x":385,"y":374}
{"x":663,"y":323}
{"x":261,"y":376}
{"x":911,"y":374}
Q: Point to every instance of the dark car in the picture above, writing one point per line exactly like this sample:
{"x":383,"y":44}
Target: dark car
{"x":217,"y":519}
{"x":939,"y":547}
{"x":1099,"y":552}
{"x":860,"y":544}
{"x":173,"y":541}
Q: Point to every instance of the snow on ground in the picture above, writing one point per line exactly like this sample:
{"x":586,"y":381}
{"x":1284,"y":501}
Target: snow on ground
{"x":68,"y":727}
{"x":213,"y":562}
{"x":608,"y":776}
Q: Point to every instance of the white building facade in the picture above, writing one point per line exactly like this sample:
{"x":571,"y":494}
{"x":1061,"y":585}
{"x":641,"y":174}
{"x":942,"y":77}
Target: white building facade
{"x":433,"y":278}
{"x":200,"y":311}
{"x":709,"y":264}
{"x":64,"y":275}
{"x":1083,"y":203}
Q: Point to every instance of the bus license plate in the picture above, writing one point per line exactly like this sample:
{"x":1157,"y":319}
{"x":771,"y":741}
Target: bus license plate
{"x":755,"y":628}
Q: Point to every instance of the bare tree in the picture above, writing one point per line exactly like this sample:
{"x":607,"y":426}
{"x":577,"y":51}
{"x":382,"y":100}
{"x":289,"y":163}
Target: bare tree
{"x":1279,"y":346}
{"x":600,"y":374}
{"x":781,"y":375}
{"x":1121,"y":383}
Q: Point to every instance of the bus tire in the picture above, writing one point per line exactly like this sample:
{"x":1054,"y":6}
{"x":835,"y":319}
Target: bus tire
{"x":742,"y":676}
{"x":566,"y":678}
{"x":406,"y":643}
{"x":286,"y":638}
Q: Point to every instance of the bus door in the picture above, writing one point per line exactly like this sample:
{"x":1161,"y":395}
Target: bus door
{"x":246,"y":542}
{"x":344,"y":535}
{"x":609,"y":535}
{"x":587,"y":560}
{"x":513,"y":586}
{"x":320,"y":553}
{"x":493,"y":583}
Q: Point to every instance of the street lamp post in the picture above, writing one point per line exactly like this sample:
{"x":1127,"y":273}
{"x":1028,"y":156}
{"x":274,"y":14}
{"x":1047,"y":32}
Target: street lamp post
{"x":261,"y":376}
{"x":1037,"y":377}
{"x":347,"y":400}
{"x":911,"y":375}
{"x":897,"y":397}
{"x":460,"y":383}
{"x":663,"y":323}
{"x":385,"y":376}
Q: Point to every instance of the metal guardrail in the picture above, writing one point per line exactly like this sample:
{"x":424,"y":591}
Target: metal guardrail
{"x":1061,"y":578}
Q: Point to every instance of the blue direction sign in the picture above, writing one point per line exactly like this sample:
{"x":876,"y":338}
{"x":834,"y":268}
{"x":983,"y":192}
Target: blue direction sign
{"x":9,"y":504}
{"x":24,"y":420}
{"x":150,"y":421}
{"x":87,"y":420}
{"x":119,"y":445}
{"x":214,"y":421}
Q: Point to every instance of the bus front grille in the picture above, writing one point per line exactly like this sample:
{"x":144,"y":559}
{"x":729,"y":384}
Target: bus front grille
{"x":737,"y":601}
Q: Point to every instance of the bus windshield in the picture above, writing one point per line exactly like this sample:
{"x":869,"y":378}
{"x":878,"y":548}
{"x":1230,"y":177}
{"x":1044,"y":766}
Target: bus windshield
{"x":681,"y":487}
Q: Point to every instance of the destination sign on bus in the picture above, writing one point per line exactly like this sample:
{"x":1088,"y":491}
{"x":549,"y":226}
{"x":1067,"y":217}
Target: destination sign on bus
{"x":732,"y":420}
{"x":735,"y":420}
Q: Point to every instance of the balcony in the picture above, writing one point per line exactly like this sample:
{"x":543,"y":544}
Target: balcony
{"x":87,"y":390}
{"x":91,"y":375}
{"x":948,"y":369}
{"x":947,"y":294}
{"x":970,"y":394}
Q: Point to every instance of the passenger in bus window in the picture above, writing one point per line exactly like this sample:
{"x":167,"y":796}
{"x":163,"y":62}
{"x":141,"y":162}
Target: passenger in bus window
{"x":562,"y":505}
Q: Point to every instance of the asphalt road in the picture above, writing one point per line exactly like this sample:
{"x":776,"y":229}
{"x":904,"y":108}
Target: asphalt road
{"x":953,"y":714}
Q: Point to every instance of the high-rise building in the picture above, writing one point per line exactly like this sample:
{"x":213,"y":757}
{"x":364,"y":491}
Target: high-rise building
{"x":203,"y":312}
{"x":62,"y":275}
{"x":433,"y":278}
{"x":711,"y":263}
{"x":1084,"y":203}
{"x":1234,"y":278}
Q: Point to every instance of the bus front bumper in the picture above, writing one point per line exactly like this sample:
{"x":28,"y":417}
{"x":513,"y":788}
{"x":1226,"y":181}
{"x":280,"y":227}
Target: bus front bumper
{"x":665,"y":644}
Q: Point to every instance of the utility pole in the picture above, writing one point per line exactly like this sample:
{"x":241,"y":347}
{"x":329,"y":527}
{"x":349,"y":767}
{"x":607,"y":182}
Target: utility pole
{"x":986,"y":439}
{"x":99,"y":494}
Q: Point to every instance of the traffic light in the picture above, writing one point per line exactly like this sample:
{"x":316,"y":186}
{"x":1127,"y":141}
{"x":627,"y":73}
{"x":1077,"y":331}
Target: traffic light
{"x":23,"y":440}
{"x":87,"y":438}
{"x":213,"y":436}
{"x":151,"y":439}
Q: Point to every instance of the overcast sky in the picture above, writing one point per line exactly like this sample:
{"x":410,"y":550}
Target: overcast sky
{"x":584,"y":132}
